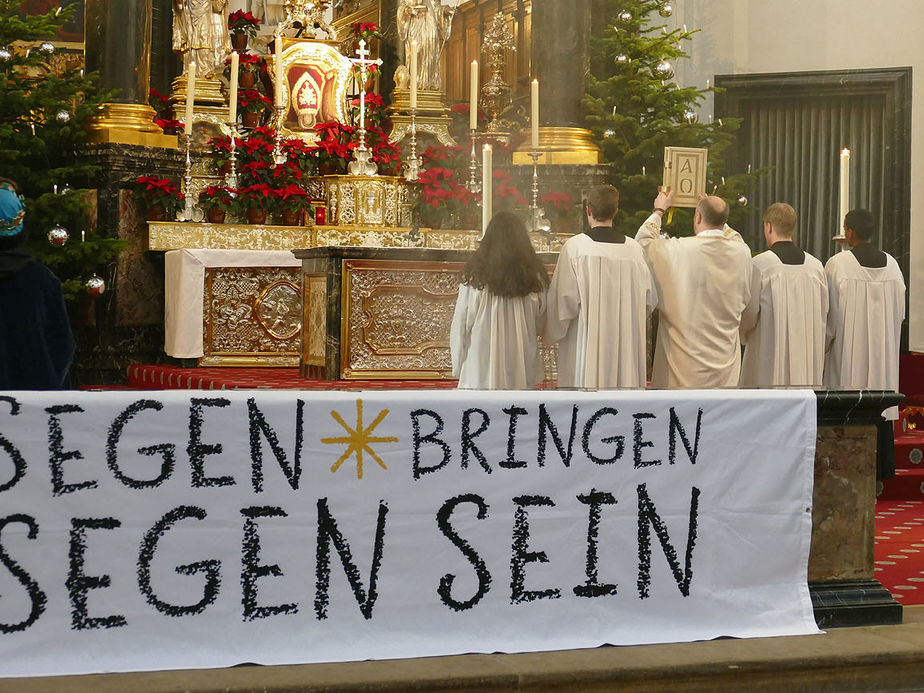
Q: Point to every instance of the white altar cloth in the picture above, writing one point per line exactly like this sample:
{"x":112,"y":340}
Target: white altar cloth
{"x":184,"y":290}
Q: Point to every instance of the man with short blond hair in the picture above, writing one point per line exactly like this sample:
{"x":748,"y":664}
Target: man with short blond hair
{"x":599,"y":301}
{"x":783,"y":327}
{"x":704,"y":285}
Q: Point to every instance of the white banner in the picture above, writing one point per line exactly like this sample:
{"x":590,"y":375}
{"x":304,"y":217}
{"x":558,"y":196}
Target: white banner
{"x":165,"y":530}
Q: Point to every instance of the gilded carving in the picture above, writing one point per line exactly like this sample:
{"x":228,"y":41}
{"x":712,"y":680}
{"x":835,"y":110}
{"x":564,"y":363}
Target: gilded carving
{"x":315,"y":333}
{"x":251,"y":313}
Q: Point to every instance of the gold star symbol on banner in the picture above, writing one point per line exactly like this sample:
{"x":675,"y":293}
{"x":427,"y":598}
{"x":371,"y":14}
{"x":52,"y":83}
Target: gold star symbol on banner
{"x":359,"y":439}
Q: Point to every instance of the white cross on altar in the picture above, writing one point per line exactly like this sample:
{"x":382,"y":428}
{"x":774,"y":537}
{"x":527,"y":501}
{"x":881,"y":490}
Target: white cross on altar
{"x":363,"y":63}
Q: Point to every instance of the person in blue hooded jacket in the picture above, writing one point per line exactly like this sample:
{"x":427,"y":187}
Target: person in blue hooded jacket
{"x":36,"y":342}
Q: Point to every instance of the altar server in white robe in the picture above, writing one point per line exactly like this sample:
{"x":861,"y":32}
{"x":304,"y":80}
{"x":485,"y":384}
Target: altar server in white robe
{"x":783,"y":327}
{"x":599,"y":301}
{"x":867,"y":306}
{"x":500,"y":311}
{"x":704,"y":285}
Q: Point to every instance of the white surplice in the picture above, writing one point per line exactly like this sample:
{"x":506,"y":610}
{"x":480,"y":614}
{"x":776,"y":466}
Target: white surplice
{"x":494,"y":340}
{"x":599,"y":301}
{"x":704,"y":285}
{"x":866,"y":309}
{"x":783,"y":327}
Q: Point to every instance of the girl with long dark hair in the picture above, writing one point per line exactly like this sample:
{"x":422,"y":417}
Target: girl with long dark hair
{"x":500,"y":311}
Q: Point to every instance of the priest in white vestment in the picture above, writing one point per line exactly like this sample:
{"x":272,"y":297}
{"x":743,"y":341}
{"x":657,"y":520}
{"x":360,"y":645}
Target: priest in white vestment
{"x":599,"y":301}
{"x":783,"y":327}
{"x":500,"y":311}
{"x":704,"y":285}
{"x":866,"y":308}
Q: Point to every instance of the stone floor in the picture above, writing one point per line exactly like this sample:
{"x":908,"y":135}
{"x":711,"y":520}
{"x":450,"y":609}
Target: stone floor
{"x":871,"y":659}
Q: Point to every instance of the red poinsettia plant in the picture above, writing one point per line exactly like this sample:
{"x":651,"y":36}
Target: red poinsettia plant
{"x":505,"y":192}
{"x":300,"y":158}
{"x":153,"y":191}
{"x":293,"y":198}
{"x":252,"y":101}
{"x":334,"y":147}
{"x":216,"y":196}
{"x":169,"y":126}
{"x":257,"y":196}
{"x":558,"y":200}
{"x":240,"y":22}
{"x":365,"y":31}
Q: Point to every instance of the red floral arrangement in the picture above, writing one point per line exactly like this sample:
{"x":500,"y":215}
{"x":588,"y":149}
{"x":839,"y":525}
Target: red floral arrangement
{"x":252,"y":101}
{"x":506,"y":190}
{"x":292,"y":198}
{"x":169,"y":125}
{"x":241,"y":22}
{"x":249,"y":61}
{"x":335,"y":145}
{"x":216,"y":196}
{"x":257,"y":196}
{"x":365,"y":31}
{"x":559,"y":200}
{"x":153,"y":191}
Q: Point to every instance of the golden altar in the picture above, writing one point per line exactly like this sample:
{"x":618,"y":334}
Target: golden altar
{"x":381,"y":313}
{"x":234,"y":295}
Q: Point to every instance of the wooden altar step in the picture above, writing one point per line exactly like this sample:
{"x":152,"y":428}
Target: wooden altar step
{"x":158,"y":377}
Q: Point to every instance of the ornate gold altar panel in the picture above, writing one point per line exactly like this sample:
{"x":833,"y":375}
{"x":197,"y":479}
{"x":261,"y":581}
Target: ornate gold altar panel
{"x":252,"y":316}
{"x":396,"y":317}
{"x":175,"y":235}
{"x":232,"y":307}
{"x":314,"y":318}
{"x":364,"y":200}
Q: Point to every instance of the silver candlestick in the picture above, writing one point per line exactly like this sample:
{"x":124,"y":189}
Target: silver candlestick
{"x":231,"y":178}
{"x":188,"y":213}
{"x":412,"y":168}
{"x":538,"y":221}
{"x":474,"y":185}
{"x":278,"y":157}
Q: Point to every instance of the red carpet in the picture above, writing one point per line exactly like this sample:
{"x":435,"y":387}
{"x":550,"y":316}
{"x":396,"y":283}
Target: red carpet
{"x":900,"y":549}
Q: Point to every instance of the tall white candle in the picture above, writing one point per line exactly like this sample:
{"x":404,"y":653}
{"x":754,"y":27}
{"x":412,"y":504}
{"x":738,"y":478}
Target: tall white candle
{"x":845,"y":186}
{"x":534,"y":114}
{"x":487,"y":165}
{"x":412,"y":68}
{"x":277,"y":71}
{"x":473,"y":98}
{"x":232,"y":91}
{"x":190,"y":98}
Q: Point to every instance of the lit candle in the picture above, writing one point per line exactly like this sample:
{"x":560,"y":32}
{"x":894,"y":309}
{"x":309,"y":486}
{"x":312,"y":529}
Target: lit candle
{"x":190,"y":97}
{"x":486,"y":190}
{"x":412,"y":68}
{"x":845,"y":184}
{"x":644,"y":172}
{"x":232,"y":92}
{"x":278,"y":71}
{"x":534,"y":115}
{"x":707,"y":85}
{"x":83,"y":235}
{"x":473,"y":98}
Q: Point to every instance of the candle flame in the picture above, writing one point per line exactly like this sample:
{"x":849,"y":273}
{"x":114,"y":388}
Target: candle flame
{"x":845,"y":152}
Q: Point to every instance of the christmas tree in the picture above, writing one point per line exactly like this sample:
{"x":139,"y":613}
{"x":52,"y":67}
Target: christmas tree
{"x":46,"y":103}
{"x":635,"y":109}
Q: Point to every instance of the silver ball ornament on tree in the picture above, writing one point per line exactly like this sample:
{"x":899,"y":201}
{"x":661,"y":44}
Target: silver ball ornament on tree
{"x":58,"y":236}
{"x":742,"y":201}
{"x":624,"y":17}
{"x":664,"y":69}
{"x":5,"y":55}
{"x":46,"y":48}
{"x":621,"y":59}
{"x":689,"y":115}
{"x":95,"y":286}
{"x":666,"y":10}
{"x":609,"y":133}
{"x":62,"y":116}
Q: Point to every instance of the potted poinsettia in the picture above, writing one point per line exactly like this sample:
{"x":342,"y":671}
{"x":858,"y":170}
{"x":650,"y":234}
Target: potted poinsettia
{"x":506,"y":195}
{"x":558,"y":208}
{"x":293,"y":201}
{"x":252,"y":104}
{"x":334,"y":147}
{"x":243,"y":26}
{"x":255,"y":202}
{"x":216,"y":200}
{"x":365,"y":31}
{"x":250,"y":67}
{"x":159,"y":197}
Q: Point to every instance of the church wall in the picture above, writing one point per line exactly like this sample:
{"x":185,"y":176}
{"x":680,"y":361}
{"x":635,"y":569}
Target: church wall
{"x":748,"y":36}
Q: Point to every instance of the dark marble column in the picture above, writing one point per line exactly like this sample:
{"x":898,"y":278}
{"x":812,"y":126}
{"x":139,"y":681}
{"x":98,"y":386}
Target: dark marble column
{"x":559,"y":50}
{"x":118,"y":45}
{"x":389,"y":47}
